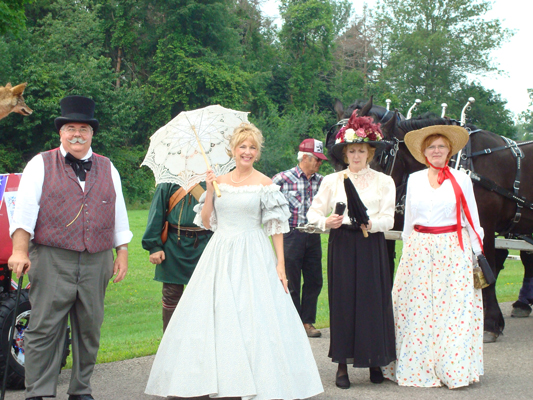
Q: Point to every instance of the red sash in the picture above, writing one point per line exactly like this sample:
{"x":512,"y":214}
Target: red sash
{"x":435,"y":230}
{"x":445,"y":173}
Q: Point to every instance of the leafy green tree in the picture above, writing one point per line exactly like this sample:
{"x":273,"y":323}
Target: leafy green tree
{"x":12,"y":17}
{"x":188,"y":76}
{"x":488,"y":111}
{"x":283,"y":133}
{"x":126,"y":23}
{"x":354,"y":60}
{"x":306,"y":40}
{"x":430,"y":45}
{"x":257,"y":41}
{"x":525,"y":120}
{"x":62,"y":53}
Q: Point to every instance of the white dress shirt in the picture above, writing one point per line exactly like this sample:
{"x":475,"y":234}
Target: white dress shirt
{"x":431,"y":207}
{"x":376,"y":190}
{"x":29,"y":198}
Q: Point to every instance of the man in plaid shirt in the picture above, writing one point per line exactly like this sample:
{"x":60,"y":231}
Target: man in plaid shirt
{"x":303,"y":251}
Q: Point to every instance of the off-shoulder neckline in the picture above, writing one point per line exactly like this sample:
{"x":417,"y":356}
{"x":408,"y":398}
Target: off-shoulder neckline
{"x":249,"y":188}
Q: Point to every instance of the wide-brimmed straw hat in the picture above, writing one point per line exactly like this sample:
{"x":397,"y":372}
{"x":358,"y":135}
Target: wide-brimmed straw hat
{"x":457,"y":135}
{"x":358,"y":130}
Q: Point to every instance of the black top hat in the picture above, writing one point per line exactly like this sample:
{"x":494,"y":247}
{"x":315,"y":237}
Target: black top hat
{"x":77,"y":109}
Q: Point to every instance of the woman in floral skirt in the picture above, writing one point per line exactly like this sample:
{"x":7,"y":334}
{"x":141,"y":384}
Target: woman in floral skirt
{"x":437,"y":311}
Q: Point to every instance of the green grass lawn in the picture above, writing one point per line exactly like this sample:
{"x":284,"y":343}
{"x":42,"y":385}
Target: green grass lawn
{"x":133,"y":327}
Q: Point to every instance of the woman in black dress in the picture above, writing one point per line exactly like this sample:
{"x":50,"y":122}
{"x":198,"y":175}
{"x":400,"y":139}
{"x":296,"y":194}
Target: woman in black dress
{"x":359,"y":286}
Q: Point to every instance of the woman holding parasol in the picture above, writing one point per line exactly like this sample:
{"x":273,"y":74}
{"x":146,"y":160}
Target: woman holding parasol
{"x":359,"y":287}
{"x":236,"y":332}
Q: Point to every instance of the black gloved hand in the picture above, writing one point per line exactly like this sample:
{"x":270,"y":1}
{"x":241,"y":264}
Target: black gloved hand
{"x":487,"y":270}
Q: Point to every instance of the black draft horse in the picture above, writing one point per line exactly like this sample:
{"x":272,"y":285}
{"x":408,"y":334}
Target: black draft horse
{"x":495,"y":211}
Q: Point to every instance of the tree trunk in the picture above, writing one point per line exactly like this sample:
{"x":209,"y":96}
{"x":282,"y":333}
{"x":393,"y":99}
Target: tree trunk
{"x":119,"y":59}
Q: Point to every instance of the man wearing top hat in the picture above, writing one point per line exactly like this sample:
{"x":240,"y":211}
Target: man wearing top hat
{"x":70,"y":214}
{"x":303,"y":251}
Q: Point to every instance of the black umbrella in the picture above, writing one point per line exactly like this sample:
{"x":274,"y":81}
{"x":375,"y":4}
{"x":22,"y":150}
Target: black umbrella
{"x":356,"y":208}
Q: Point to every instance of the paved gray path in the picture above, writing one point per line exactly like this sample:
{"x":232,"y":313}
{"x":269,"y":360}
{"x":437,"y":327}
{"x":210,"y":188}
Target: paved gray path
{"x":508,"y":374}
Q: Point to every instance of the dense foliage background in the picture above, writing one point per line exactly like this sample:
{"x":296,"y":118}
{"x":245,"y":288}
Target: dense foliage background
{"x":144,"y":61}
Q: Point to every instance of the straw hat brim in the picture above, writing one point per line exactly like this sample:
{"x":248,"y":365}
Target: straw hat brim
{"x":457,"y":135}
{"x":336,"y":150}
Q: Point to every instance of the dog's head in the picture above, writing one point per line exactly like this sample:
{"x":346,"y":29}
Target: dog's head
{"x":13,"y":97}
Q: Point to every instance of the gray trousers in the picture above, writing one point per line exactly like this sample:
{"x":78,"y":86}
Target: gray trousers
{"x":63,"y":283}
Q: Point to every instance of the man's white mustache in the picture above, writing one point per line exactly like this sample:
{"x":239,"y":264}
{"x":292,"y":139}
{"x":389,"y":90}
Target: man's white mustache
{"x":77,"y":139}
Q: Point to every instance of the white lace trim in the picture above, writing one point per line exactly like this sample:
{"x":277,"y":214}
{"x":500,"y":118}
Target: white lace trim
{"x":212,"y":221}
{"x":198,"y":218}
{"x":363,"y":178}
{"x":250,"y":188}
{"x":275,"y":227}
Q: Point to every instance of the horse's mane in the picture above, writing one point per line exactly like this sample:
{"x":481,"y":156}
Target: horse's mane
{"x":419,"y":123}
{"x":414,"y":124}
{"x":428,"y":115}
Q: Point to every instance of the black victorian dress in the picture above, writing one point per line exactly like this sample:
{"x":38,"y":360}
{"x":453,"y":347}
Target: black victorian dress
{"x":359,"y":283}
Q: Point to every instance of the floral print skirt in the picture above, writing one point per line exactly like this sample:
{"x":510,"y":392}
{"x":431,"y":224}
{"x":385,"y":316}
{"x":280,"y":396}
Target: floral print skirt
{"x":438,"y":314}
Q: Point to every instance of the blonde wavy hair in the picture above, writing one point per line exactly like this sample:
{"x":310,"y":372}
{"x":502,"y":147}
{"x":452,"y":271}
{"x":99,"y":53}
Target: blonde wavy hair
{"x":245,"y":131}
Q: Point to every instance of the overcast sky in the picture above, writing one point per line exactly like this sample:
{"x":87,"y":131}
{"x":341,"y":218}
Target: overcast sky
{"x":513,"y":57}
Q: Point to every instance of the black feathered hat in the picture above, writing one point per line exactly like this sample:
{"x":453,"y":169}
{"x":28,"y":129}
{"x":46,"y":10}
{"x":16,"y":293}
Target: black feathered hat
{"x":77,"y":109}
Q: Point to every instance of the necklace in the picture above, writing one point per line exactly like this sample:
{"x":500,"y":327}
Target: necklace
{"x":242,"y":180}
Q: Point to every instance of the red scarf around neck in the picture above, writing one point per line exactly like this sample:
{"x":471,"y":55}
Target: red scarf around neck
{"x":445,"y":173}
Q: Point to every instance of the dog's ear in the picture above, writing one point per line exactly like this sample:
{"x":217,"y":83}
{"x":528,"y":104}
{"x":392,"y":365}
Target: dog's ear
{"x":8,"y":86}
{"x":19,"y":89}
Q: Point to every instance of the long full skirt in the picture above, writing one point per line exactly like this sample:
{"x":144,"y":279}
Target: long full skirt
{"x":438,"y":314}
{"x":360,"y":304}
{"x":235,"y":332}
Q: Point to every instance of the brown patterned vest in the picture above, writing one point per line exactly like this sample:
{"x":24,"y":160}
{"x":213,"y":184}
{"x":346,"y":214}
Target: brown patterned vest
{"x":70,"y":218}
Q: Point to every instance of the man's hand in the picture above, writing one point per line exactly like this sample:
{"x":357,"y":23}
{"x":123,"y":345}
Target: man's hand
{"x":158,"y":257}
{"x":19,"y":262}
{"x":120,"y":267}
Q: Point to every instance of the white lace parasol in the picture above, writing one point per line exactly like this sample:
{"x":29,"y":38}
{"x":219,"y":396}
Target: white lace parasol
{"x":174,"y":155}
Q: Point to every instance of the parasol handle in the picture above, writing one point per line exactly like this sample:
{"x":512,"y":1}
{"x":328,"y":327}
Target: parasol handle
{"x":365,"y":233}
{"x":215,"y":184}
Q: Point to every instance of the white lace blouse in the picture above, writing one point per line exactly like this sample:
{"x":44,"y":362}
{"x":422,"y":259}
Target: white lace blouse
{"x":376,"y":190}
{"x":431,"y":207}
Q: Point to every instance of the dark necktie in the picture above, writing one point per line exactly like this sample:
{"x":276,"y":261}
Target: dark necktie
{"x":79,"y":166}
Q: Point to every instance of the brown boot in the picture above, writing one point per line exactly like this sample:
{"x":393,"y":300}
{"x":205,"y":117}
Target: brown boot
{"x":312,"y":331}
{"x":171,"y":296}
{"x":167,"y":314}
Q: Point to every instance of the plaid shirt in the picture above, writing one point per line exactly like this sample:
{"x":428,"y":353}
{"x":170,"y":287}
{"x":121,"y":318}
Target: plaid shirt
{"x":299,"y":192}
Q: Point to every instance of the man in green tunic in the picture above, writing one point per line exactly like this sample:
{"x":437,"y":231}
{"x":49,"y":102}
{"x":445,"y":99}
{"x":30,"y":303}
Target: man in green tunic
{"x":176,"y":258}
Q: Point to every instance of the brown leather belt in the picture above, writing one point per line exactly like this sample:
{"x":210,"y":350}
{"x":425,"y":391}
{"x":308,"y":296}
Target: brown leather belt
{"x":188,"y":231}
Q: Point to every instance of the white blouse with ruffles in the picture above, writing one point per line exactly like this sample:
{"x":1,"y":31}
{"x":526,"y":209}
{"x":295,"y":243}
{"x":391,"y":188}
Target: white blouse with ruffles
{"x":431,"y":207}
{"x":376,"y":190}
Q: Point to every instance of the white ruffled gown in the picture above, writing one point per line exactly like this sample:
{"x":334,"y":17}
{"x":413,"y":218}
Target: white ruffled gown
{"x":235,"y":332}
